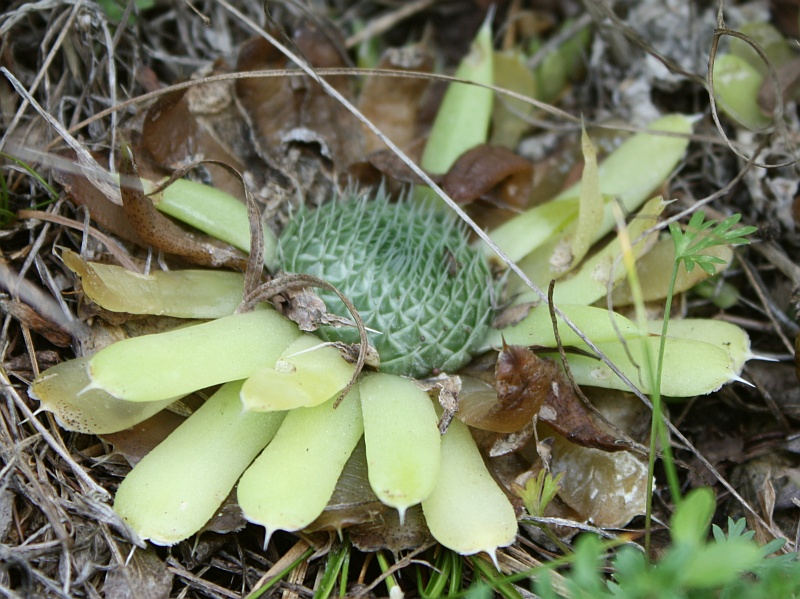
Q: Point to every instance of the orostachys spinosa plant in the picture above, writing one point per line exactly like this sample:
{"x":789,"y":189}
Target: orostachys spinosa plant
{"x":425,"y":297}
{"x":292,"y":408}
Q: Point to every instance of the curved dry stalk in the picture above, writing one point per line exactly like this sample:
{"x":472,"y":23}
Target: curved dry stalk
{"x":285,"y":282}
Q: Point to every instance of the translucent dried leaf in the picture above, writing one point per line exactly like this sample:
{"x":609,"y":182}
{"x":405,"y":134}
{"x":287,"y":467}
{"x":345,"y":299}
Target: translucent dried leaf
{"x":142,"y":575}
{"x":179,"y":293}
{"x":388,"y":533}
{"x":61,"y":390}
{"x":607,"y":489}
{"x":522,"y":383}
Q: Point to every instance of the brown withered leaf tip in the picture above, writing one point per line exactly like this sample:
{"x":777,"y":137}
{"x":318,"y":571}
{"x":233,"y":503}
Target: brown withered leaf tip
{"x":529,"y":384}
{"x":566,"y":413}
{"x":163,"y":234}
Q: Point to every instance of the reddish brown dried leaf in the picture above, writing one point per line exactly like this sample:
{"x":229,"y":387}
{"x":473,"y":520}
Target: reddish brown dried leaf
{"x":490,"y":172}
{"x":29,"y":318}
{"x":103,"y":210}
{"x":163,"y":234}
{"x":297,"y":109}
{"x":195,"y":124}
{"x":564,"y":411}
{"x":522,"y":384}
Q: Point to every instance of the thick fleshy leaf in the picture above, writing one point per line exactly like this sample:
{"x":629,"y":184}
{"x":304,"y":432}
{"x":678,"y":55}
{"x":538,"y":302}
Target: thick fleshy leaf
{"x":291,"y":482}
{"x":467,"y":512}
{"x":176,"y":488}
{"x":403,"y":441}
{"x":61,"y":390}
{"x":179,"y":293}
{"x":155,"y":367}
{"x":308,"y":373}
{"x":462,"y":121}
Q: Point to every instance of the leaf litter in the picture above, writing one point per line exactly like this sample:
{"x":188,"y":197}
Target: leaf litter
{"x":297,"y":142}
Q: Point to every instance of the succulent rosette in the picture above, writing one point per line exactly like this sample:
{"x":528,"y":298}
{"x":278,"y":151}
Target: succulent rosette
{"x":277,"y":426}
{"x":287,"y":417}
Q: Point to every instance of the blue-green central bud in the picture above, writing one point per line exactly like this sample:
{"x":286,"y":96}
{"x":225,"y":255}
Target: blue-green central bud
{"x":410,"y":274}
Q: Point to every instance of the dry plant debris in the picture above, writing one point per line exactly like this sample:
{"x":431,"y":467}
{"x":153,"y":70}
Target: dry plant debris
{"x":73,"y":85}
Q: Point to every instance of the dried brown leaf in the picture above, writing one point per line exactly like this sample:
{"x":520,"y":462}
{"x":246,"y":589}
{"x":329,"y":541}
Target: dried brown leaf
{"x":103,"y":210}
{"x":143,"y":575}
{"x":30,"y":319}
{"x":163,"y":234}
{"x":492,"y":173}
{"x":522,"y":384}
{"x":136,"y":442}
{"x":386,"y":532}
{"x":283,"y":111}
{"x":391,"y":103}
{"x":566,"y":413}
{"x":195,"y":124}
{"x":789,"y":83}
{"x":353,"y":500}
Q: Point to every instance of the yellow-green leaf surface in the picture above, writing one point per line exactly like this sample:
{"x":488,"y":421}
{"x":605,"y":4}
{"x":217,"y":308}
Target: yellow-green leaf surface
{"x":691,"y":367}
{"x":508,"y":115}
{"x":462,"y":121}
{"x":176,"y":488}
{"x":59,"y":389}
{"x":590,"y":209}
{"x":156,"y":367}
{"x":629,"y":175}
{"x":308,"y":373}
{"x":736,"y":87}
{"x":728,"y":336}
{"x":179,"y":293}
{"x":204,"y":207}
{"x":467,"y":512}
{"x":591,"y":280}
{"x":290,"y":483}
{"x":659,"y":260}
{"x":598,"y":324}
{"x":402,"y":437}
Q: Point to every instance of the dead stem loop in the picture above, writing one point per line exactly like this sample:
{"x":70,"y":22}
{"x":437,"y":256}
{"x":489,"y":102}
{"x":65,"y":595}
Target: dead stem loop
{"x":285,"y":282}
